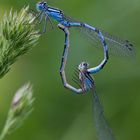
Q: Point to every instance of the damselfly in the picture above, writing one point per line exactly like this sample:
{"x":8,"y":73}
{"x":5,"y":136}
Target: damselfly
{"x":115,"y":44}
{"x":86,"y":83}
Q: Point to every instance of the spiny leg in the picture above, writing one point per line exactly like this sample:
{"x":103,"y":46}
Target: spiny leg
{"x":41,"y":16}
{"x":47,"y":18}
{"x":36,"y":15}
{"x":87,"y":82}
{"x":50,"y":22}
{"x":44,"y":26}
{"x":33,"y":12}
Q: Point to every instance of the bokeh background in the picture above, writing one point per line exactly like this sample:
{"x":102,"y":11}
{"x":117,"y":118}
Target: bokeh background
{"x":58,"y":113}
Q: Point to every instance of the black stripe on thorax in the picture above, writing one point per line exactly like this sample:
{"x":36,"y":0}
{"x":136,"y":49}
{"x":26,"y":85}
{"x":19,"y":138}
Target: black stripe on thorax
{"x":51,"y":9}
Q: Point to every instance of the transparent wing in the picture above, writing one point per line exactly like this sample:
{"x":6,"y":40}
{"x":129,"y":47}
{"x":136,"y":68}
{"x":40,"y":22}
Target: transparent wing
{"x":104,"y":132}
{"x":116,"y":46}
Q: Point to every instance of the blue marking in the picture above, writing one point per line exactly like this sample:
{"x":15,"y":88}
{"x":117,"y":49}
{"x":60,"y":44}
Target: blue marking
{"x":93,"y":33}
{"x":116,"y":45}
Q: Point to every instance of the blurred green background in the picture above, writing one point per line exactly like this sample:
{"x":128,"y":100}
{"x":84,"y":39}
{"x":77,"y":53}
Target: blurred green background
{"x":60,"y":114}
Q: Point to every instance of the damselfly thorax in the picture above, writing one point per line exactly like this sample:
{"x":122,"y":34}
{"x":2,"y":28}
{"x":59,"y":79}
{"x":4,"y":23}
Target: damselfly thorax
{"x":83,"y":78}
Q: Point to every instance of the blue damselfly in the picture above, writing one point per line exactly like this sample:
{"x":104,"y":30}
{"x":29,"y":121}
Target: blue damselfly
{"x":115,"y":44}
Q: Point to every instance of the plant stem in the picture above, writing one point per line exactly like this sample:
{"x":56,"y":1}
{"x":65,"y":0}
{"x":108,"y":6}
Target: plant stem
{"x":4,"y":132}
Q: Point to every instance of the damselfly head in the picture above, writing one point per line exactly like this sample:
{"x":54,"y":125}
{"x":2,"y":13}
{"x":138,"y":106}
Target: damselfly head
{"x":40,"y":6}
{"x":83,"y":66}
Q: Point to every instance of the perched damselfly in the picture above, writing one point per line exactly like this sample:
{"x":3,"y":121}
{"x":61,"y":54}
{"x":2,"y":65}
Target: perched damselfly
{"x":115,"y":44}
{"x":86,"y":83}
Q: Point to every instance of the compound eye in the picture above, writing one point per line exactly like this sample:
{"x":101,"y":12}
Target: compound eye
{"x":44,"y":3}
{"x":85,"y":64}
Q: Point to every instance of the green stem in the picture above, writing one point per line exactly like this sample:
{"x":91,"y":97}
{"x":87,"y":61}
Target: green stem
{"x":6,"y":127}
{"x":4,"y":133}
